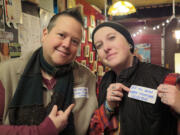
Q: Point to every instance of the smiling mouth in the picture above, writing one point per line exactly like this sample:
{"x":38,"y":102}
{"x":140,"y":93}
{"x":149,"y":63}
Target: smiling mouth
{"x":63,"y":52}
{"x":108,"y":57}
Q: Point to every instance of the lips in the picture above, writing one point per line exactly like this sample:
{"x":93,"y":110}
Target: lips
{"x":62,"y":52}
{"x":109,"y":56}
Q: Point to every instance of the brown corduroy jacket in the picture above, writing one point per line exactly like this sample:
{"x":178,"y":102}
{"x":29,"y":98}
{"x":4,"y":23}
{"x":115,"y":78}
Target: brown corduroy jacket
{"x":11,"y":71}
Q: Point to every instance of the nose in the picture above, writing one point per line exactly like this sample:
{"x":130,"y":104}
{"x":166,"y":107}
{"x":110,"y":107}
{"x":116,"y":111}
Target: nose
{"x":66,"y":42}
{"x":106,"y":48}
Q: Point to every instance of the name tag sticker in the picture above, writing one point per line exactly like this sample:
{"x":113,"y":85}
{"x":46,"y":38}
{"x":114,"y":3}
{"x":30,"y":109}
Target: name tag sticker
{"x":143,"y":94}
{"x":81,"y":92}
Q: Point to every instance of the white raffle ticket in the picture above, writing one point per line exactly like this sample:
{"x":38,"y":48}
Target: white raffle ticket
{"x":143,"y":94}
{"x":81,"y":92}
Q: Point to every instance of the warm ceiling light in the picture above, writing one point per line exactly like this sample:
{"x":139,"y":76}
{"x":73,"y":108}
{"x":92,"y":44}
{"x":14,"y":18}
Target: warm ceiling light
{"x":121,"y":8}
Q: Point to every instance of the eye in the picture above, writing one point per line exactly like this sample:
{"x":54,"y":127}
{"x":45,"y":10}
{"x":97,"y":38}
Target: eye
{"x":111,"y":37}
{"x":98,"y":45}
{"x":75,"y":42}
{"x":61,"y":35}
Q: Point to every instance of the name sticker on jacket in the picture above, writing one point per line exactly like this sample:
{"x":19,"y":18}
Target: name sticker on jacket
{"x":143,"y":94}
{"x":81,"y":92}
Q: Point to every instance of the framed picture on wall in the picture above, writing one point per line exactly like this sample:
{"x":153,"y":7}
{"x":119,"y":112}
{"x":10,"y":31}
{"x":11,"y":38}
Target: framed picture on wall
{"x":4,"y":52}
{"x":98,"y":22}
{"x":81,"y":8}
{"x":14,"y":50}
{"x":92,"y":21}
{"x":94,"y":66}
{"x":91,"y":58}
{"x":83,"y":62}
{"x":90,"y":30}
{"x":61,"y":5}
{"x":86,"y":51}
{"x":79,"y":51}
{"x":100,"y":70}
{"x":2,"y":21}
{"x":84,"y":37}
{"x":85,"y":21}
{"x":71,"y":3}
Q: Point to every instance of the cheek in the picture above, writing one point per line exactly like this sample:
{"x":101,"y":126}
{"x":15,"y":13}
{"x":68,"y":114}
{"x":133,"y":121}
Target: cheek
{"x":123,"y":49}
{"x":45,"y":47}
{"x":101,"y":54}
{"x":74,"y":50}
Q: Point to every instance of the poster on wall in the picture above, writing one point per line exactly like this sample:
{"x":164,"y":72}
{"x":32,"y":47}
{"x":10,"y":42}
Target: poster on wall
{"x":6,"y":36}
{"x":143,"y":52}
{"x":13,"y":12}
{"x":4,"y":52}
{"x":29,"y":33}
{"x":14,"y":50}
{"x":2,"y":22}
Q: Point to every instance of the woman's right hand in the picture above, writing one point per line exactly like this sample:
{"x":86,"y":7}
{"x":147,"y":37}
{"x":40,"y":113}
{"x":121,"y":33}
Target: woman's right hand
{"x":60,"y":118}
{"x":115,"y":94}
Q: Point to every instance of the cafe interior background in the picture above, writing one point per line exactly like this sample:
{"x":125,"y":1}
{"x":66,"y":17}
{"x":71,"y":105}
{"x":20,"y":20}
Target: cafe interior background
{"x":154,"y":26}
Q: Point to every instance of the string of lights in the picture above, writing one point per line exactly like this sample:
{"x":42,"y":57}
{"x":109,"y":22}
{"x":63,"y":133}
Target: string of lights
{"x":156,"y":27}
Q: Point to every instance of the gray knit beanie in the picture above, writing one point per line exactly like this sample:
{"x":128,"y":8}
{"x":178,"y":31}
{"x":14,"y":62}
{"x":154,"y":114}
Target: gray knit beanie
{"x":118,"y":27}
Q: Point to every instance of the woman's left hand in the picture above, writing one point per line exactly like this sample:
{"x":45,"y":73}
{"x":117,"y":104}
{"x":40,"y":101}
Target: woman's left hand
{"x":170,"y":95}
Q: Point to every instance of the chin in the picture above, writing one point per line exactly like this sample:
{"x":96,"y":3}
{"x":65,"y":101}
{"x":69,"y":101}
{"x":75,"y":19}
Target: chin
{"x":57,"y":63}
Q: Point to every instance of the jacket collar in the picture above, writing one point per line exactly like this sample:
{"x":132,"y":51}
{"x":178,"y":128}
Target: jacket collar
{"x":23,"y":62}
{"x":126,"y":73}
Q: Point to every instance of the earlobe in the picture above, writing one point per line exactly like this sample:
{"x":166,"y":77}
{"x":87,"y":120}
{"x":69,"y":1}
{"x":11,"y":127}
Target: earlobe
{"x":130,"y":46}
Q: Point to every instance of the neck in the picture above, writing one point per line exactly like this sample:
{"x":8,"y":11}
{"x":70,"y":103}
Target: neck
{"x":46,"y":75}
{"x":124,"y":65}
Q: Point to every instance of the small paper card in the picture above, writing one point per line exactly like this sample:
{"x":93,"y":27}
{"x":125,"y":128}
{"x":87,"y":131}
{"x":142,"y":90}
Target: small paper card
{"x":143,"y":94}
{"x":80,"y":92}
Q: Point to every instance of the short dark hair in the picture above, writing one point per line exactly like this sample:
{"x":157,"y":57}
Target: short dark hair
{"x":72,"y":12}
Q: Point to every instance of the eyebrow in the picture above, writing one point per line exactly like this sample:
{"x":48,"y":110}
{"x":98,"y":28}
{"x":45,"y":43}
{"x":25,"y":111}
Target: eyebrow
{"x":64,"y":32}
{"x":97,"y":42}
{"x":106,"y":36}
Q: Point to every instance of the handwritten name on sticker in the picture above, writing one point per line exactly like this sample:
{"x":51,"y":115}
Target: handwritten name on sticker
{"x":143,"y":94}
{"x":80,"y":92}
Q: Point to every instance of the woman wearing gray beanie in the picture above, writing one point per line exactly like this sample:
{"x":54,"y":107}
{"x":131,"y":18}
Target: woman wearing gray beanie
{"x":128,"y":101}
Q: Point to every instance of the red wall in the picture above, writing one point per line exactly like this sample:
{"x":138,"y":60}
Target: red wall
{"x":87,"y":11}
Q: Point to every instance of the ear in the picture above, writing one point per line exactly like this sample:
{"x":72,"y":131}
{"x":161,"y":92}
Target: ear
{"x":44,"y":34}
{"x":130,"y":46}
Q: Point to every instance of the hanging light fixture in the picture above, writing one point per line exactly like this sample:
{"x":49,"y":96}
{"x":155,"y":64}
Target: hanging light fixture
{"x":120,"y":8}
